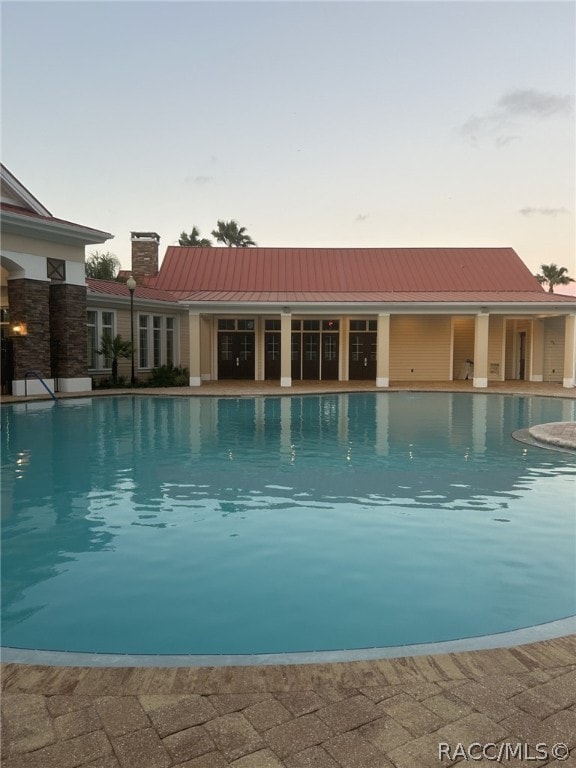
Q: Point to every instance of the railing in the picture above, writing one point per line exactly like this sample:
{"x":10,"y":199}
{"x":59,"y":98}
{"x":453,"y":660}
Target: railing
{"x":41,"y":380}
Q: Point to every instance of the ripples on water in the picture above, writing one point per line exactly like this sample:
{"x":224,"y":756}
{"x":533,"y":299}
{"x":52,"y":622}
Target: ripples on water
{"x":260,"y":525}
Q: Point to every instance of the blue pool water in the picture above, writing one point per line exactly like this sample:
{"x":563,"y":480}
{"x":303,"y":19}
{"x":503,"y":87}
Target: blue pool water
{"x":281,"y":524}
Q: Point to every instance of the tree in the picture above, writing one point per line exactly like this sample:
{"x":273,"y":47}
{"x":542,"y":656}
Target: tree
{"x":229,"y":233}
{"x":194,"y":239}
{"x":113,"y":348}
{"x":103,"y":266}
{"x":553,"y":275}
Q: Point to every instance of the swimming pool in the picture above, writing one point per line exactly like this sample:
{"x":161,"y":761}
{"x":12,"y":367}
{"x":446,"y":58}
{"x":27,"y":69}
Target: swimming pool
{"x":161,"y":525}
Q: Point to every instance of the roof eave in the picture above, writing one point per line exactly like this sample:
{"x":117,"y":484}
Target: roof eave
{"x":53,"y":230}
{"x":97,"y":299}
{"x":400,"y":307}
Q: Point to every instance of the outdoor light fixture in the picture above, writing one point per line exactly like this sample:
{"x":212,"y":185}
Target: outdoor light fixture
{"x":131,"y":285}
{"x":18,"y":329}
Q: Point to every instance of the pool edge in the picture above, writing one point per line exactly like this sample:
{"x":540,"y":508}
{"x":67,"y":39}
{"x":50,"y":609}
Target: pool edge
{"x":540,"y":632}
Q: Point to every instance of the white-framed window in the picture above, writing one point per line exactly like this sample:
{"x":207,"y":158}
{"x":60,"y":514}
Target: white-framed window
{"x":99,"y":322}
{"x":156,"y":341}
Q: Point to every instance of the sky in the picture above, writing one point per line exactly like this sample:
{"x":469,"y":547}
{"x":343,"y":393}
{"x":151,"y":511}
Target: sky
{"x":339,"y":124}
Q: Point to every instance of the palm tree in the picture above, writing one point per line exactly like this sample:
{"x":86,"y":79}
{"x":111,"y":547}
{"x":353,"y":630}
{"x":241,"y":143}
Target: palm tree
{"x":231,"y":234}
{"x":113,"y":349}
{"x":194,"y":239}
{"x":553,"y":275}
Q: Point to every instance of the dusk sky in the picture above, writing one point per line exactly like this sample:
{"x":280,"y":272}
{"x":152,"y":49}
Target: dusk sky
{"x":311,"y":123}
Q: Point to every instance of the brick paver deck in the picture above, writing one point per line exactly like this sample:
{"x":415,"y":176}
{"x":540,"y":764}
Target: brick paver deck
{"x":407,"y":713}
{"x":376,"y":714}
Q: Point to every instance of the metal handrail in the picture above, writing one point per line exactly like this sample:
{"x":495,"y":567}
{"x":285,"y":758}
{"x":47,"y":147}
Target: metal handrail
{"x":41,"y":380}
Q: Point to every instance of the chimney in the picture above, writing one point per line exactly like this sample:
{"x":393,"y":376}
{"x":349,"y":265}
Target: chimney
{"x":144,"y":254}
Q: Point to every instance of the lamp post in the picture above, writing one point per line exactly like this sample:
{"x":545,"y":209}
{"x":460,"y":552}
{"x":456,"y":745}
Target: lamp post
{"x":131,"y":284}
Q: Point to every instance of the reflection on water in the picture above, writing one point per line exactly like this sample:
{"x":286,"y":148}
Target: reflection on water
{"x":237,"y":525}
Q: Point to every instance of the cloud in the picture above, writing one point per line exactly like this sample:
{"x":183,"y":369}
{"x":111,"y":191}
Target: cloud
{"x":198,"y":179}
{"x":528,"y":211}
{"x":521,"y":104}
{"x":535,"y":103}
{"x":361,"y":217}
{"x":503,"y":141}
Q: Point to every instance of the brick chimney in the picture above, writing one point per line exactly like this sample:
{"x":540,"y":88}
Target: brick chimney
{"x":144,"y":254}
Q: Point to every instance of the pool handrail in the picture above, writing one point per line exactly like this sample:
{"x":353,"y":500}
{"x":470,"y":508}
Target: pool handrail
{"x":41,"y":380}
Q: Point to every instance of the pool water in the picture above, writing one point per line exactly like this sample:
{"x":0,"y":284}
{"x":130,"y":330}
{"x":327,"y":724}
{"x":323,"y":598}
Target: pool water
{"x":202,"y":525}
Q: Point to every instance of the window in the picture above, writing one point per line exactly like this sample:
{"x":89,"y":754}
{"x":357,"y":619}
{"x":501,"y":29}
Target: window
{"x":143,"y":341}
{"x":330,"y":348}
{"x":170,"y":340}
{"x":272,"y":325}
{"x":156,"y":341}
{"x":357,"y":325}
{"x":226,"y":325}
{"x":311,"y":325}
{"x":98,"y":323}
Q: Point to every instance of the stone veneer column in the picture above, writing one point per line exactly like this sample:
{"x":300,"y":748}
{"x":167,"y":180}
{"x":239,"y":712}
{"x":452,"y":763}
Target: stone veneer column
{"x":29,"y":303}
{"x":69,"y":337}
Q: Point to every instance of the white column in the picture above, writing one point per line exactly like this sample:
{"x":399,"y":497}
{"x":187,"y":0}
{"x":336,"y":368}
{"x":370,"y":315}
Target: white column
{"x":481,"y":351}
{"x":383,"y":350}
{"x":194,"y":348}
{"x":537,"y":351}
{"x":285,"y":349}
{"x":569,"y":351}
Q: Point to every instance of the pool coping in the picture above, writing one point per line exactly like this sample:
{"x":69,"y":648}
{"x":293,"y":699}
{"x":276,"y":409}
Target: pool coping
{"x":537,"y":633}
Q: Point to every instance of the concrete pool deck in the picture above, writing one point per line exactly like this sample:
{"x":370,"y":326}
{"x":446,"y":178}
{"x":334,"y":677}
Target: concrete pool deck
{"x":410,"y":712}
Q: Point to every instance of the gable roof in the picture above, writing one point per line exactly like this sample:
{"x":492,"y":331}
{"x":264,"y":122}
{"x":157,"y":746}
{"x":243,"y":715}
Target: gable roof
{"x":23,"y":214}
{"x":346,"y":274}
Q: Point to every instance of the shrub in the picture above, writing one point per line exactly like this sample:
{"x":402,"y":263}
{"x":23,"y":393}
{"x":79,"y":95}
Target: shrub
{"x":169,"y":376}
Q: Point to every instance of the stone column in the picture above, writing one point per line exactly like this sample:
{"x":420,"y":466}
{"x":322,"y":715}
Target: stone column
{"x":68,"y":337}
{"x":383,"y":350}
{"x":194,"y":349}
{"x":569,"y":351}
{"x":285,"y":349}
{"x":30,"y":304}
{"x":481,"y":350}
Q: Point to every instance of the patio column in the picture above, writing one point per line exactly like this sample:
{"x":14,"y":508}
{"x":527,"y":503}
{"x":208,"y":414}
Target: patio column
{"x":29,"y":303}
{"x":285,"y":349}
{"x":383,"y":350}
{"x":194,"y":348}
{"x":537,"y":356}
{"x":569,"y":351}
{"x":481,"y":350}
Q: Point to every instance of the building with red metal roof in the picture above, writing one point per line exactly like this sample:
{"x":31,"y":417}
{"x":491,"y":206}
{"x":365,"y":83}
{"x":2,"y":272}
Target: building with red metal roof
{"x":280,"y":314}
{"x":379,"y":314}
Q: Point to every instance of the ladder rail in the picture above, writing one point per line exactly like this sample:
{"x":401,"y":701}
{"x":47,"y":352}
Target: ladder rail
{"x":41,"y":380}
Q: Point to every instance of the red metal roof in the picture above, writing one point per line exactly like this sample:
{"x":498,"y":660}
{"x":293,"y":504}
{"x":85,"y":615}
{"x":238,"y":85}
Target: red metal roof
{"x":329,"y":274}
{"x":113,"y":288}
